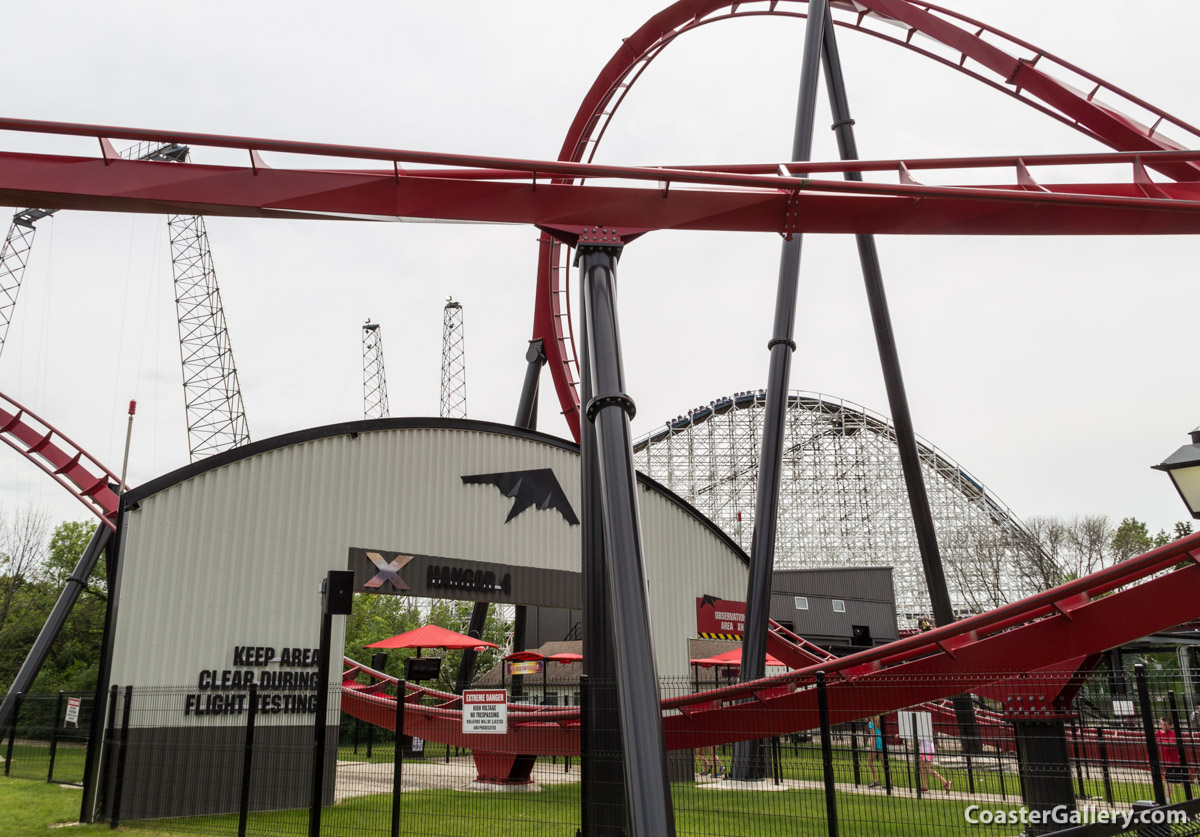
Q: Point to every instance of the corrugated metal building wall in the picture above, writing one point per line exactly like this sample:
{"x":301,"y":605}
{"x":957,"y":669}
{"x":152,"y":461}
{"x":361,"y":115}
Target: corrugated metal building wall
{"x":230,"y":551}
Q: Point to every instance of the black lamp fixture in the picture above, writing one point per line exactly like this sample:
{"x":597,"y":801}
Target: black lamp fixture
{"x":1183,"y":466}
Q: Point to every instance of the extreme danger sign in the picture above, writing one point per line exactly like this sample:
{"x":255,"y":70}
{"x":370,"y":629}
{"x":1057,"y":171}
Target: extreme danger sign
{"x":485,"y":711}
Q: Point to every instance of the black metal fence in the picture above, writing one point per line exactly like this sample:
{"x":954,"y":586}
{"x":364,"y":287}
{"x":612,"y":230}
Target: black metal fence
{"x":49,"y":740}
{"x":1030,"y":754}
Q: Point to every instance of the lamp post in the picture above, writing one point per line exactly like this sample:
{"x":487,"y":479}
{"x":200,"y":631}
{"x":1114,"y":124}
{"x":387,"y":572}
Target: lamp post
{"x":1183,"y":466}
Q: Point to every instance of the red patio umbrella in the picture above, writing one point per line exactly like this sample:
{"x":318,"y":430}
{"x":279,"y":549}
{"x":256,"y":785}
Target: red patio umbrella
{"x":431,"y":636}
{"x":731,"y":658}
{"x":565,"y":657}
{"x":524,"y":656}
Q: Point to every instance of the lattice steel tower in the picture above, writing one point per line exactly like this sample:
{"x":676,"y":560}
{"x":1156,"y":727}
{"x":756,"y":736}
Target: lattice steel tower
{"x":375,"y":399}
{"x":14,"y":254}
{"x":454,"y":364}
{"x":216,"y":418}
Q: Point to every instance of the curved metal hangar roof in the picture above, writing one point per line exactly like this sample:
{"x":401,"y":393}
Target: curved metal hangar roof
{"x":229,"y":552}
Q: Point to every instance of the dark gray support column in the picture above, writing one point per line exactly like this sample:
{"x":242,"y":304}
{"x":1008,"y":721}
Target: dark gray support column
{"x":889,"y":360}
{"x":95,"y":767}
{"x":647,"y":787}
{"x":466,"y":669}
{"x":75,"y":585}
{"x":748,"y":763}
{"x":601,"y":761}
{"x":827,"y":776}
{"x":1044,"y":767}
{"x":889,"y":357}
{"x":535,"y":359}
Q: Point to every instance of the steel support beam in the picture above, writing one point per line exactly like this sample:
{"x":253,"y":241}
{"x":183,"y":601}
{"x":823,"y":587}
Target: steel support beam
{"x":75,"y":585}
{"x":893,"y":378}
{"x":602,"y":794}
{"x":747,"y":761}
{"x":535,"y":359}
{"x":608,"y":411}
{"x":466,"y":668}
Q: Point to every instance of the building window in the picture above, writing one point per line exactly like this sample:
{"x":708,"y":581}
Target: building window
{"x":802,"y":603}
{"x":839,"y":606}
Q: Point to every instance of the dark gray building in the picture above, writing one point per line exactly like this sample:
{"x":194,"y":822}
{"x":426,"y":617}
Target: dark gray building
{"x":842,"y":609}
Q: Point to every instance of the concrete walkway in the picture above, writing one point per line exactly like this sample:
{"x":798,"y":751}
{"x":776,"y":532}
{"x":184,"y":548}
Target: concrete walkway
{"x":360,"y":778}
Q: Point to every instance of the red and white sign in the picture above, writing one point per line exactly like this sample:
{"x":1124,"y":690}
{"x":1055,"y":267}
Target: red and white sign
{"x":719,"y":616}
{"x":524,"y":667}
{"x":73,"y":711}
{"x":485,"y":711}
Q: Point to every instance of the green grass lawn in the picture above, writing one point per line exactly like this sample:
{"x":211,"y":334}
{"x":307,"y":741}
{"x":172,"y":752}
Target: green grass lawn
{"x":31,"y":760}
{"x":32,"y":807}
{"x":804,"y":763}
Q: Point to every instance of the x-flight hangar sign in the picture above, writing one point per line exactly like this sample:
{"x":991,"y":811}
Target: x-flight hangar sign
{"x":433,"y":576}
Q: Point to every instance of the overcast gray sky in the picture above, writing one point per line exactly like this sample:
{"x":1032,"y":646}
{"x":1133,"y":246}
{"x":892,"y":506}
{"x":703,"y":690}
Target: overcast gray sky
{"x":1056,"y":370}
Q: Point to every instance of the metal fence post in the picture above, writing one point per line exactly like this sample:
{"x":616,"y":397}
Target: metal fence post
{"x":883,"y":753}
{"x":108,"y":742}
{"x":1000,"y":773}
{"x":54,"y":736}
{"x":827,"y":755}
{"x":919,"y":782}
{"x":1102,"y":746}
{"x":248,"y":761}
{"x":1179,"y":748}
{"x":777,"y":758}
{"x":854,"y":752}
{"x":1143,"y":690}
{"x":122,"y":753}
{"x":12,"y":731}
{"x":1078,"y":759}
{"x":398,"y":758}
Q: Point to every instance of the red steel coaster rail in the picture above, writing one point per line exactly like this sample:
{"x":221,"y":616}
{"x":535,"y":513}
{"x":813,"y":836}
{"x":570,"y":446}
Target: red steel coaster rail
{"x":1008,"y":646}
{"x":1001,"y":61}
{"x":65,"y":462}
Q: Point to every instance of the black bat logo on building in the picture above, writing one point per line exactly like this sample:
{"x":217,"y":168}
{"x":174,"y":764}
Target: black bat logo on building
{"x":538,"y":488}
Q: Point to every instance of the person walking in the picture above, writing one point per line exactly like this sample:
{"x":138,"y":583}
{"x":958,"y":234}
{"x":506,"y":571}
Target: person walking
{"x":927,"y":768}
{"x":875,"y":730}
{"x":1174,"y":773}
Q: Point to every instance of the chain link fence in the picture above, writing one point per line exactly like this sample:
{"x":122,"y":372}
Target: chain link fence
{"x":979,"y":754}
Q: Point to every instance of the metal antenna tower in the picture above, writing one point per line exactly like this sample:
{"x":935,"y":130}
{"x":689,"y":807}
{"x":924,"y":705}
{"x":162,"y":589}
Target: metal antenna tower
{"x":14,"y":254}
{"x":375,"y":400}
{"x":454,"y":364}
{"x":216,"y":418}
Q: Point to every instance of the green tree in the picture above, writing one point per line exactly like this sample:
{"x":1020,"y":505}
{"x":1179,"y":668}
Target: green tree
{"x":377,"y":617}
{"x":73,"y":663}
{"x":22,"y":591}
{"x":1130,"y":539}
{"x":33,"y":572}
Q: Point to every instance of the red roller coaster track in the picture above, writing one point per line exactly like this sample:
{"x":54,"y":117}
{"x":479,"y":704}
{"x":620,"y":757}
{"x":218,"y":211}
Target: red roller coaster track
{"x":994,"y":653}
{"x":68,"y":464}
{"x":1002,"y":62}
{"x":1062,"y":627}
